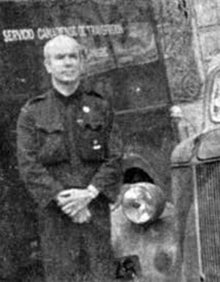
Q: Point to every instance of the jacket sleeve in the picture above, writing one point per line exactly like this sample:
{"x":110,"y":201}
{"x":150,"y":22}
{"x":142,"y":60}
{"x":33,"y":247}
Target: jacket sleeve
{"x":37,"y":178}
{"x":108,"y":177}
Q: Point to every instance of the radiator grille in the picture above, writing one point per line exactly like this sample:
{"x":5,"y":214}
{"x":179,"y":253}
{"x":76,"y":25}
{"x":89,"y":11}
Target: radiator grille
{"x":208,"y":181}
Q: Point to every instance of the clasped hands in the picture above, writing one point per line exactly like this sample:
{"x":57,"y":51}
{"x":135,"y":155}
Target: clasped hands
{"x":74,"y":203}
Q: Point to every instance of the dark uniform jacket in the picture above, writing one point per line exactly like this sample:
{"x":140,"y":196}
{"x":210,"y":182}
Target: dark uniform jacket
{"x":70,"y":142}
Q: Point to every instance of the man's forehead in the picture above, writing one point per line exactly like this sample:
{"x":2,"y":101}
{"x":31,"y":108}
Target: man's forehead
{"x":63,"y":48}
{"x":62,"y":44}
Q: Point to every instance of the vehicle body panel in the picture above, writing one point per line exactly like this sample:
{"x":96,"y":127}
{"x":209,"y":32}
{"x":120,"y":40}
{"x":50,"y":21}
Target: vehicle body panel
{"x":195,"y":182}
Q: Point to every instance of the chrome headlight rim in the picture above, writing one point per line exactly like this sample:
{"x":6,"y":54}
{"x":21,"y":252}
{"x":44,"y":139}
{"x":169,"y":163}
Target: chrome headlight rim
{"x":139,"y":206}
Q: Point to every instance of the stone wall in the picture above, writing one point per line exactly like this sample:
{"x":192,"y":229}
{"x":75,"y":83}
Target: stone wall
{"x":207,"y":17}
{"x":173,"y":21}
{"x":178,"y":44}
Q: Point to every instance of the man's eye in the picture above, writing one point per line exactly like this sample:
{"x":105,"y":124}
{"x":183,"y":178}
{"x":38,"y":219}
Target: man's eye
{"x":70,"y":56}
{"x":59,"y":57}
{"x":73,"y":56}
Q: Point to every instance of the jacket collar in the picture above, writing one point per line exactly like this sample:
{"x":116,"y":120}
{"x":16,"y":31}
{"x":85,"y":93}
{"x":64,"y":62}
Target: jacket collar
{"x":76,"y":96}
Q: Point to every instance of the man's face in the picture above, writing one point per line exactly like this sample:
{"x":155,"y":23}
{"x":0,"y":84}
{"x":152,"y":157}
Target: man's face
{"x":63,"y":62}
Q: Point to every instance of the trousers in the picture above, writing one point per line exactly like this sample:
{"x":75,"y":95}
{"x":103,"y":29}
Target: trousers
{"x":75,"y":252}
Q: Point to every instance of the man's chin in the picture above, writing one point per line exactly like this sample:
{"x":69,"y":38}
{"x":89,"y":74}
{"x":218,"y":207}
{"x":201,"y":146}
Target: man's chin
{"x":68,"y":81}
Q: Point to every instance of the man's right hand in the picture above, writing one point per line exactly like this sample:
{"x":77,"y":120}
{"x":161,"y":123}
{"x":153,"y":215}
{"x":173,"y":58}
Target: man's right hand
{"x":72,"y":201}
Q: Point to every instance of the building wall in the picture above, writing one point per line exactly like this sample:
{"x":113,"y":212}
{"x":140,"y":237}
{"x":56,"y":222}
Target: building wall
{"x":177,"y":35}
{"x":207,"y":18}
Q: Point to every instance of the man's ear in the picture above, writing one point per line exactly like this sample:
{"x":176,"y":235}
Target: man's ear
{"x":83,"y":53}
{"x":47,"y":65}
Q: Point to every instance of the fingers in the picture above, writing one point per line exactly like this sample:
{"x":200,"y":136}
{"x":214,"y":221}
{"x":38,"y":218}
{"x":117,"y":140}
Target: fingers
{"x":74,"y":202}
{"x":67,"y":196}
{"x":65,"y":193}
{"x":64,"y":197}
{"x":71,"y":209}
{"x":75,"y":205}
{"x":62,"y":202}
{"x":69,"y":206}
{"x":78,"y":213}
{"x":82,"y":216}
{"x":73,"y":193}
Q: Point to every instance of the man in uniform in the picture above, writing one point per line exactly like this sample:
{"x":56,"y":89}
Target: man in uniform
{"x":69,"y":156}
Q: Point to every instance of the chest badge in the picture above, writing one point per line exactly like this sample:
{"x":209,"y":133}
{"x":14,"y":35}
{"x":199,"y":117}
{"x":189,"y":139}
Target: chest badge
{"x":86,"y":109}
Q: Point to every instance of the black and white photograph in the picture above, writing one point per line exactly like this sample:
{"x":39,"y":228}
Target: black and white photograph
{"x":109,"y":141}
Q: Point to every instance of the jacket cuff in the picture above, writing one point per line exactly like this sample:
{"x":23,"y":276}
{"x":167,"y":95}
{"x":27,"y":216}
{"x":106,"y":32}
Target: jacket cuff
{"x":93,"y":191}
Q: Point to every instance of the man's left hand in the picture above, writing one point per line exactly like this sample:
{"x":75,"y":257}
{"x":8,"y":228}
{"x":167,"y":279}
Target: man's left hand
{"x":83,"y":216}
{"x":72,"y":201}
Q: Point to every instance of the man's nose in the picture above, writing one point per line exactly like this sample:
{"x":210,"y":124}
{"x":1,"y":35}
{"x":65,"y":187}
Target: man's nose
{"x":68,"y":60}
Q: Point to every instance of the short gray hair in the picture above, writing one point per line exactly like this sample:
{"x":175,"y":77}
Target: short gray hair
{"x":59,"y":38}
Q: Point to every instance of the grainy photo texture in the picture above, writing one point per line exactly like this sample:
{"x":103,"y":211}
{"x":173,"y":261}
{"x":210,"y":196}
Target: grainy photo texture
{"x":109,"y":140}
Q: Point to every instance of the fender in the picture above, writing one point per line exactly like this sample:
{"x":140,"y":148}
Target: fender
{"x":133,"y":160}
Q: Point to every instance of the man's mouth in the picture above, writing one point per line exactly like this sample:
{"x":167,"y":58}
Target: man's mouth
{"x":68,"y":72}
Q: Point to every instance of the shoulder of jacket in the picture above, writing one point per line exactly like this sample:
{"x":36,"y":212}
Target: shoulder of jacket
{"x":34,"y":101}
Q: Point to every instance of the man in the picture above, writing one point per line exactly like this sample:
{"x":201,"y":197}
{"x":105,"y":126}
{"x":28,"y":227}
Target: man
{"x":69,"y":156}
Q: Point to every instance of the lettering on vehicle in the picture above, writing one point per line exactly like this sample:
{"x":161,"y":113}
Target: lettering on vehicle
{"x":44,"y":33}
{"x":11,"y":35}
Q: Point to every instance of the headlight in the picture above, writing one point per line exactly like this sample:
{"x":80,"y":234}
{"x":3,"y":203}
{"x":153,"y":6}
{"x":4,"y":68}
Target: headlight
{"x":143,"y":202}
